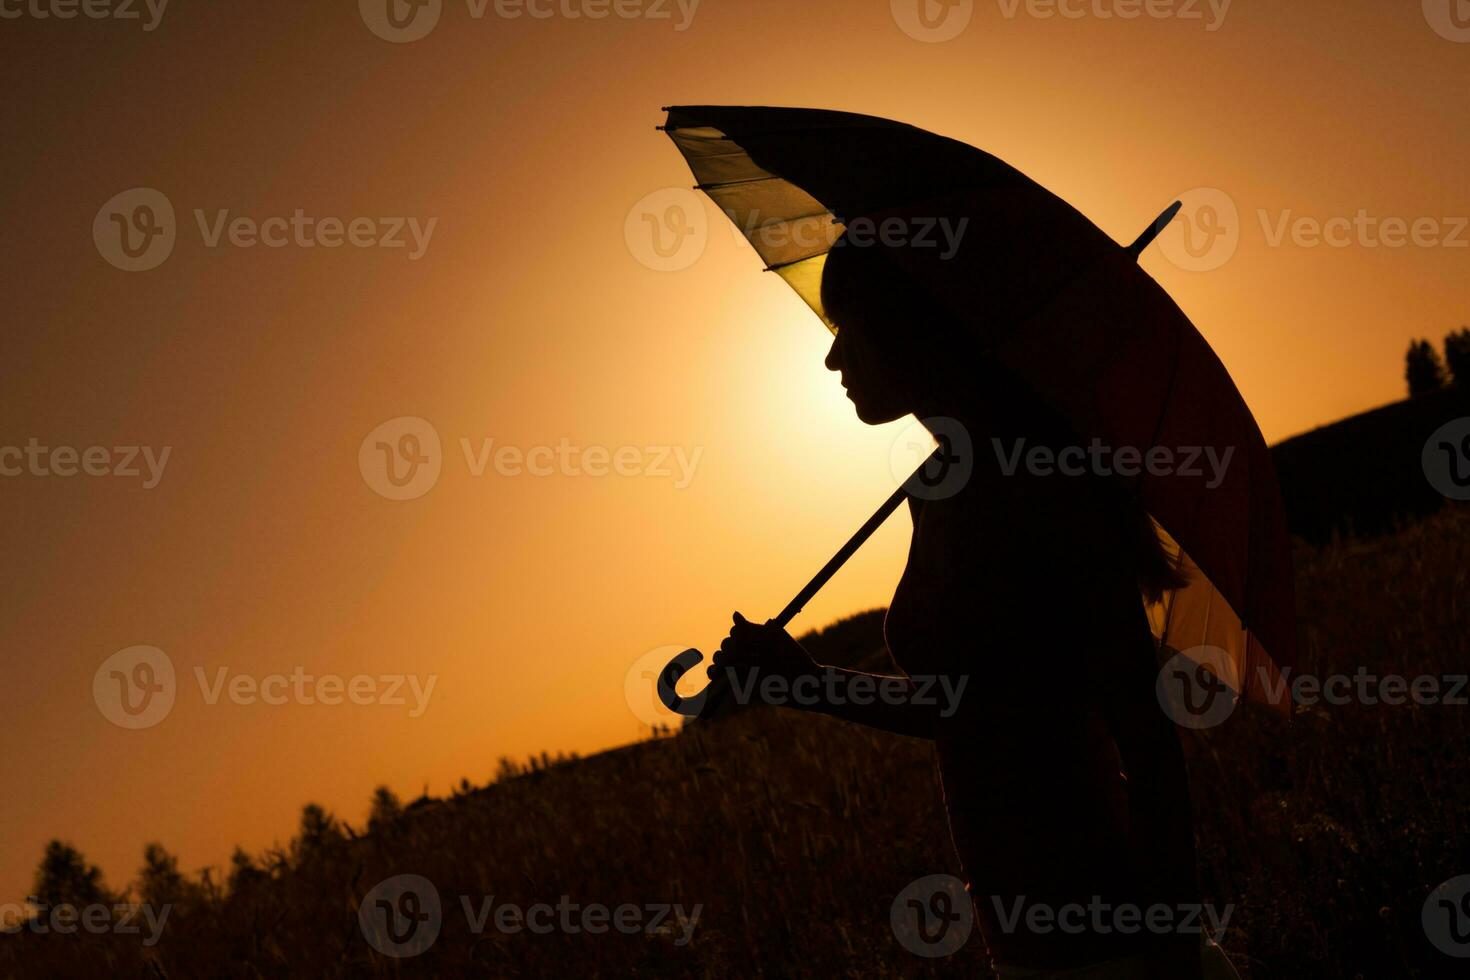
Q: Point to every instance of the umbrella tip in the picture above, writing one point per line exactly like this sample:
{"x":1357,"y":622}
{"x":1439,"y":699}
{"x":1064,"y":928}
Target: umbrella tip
{"x":1154,"y":230}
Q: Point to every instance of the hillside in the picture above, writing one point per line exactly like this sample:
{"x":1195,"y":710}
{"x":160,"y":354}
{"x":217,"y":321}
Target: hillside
{"x":1364,"y":474}
{"x":786,"y":838}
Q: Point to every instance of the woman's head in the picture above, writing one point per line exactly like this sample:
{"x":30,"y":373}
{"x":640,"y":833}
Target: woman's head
{"x":888,"y":332}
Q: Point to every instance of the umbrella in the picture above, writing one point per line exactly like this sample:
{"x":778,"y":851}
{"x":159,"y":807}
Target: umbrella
{"x":1066,"y":309}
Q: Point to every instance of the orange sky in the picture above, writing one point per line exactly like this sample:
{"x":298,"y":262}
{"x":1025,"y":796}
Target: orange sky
{"x":529,"y":319}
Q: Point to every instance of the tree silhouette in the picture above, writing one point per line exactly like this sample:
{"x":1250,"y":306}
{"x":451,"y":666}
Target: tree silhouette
{"x":1423,"y":368}
{"x":1457,"y":357}
{"x":320,"y":832}
{"x":159,"y":881}
{"x":65,"y":878}
{"x":386,"y":810}
{"x":244,"y":875}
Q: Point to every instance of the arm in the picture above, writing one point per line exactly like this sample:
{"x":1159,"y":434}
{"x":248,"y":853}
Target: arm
{"x":763,"y":662}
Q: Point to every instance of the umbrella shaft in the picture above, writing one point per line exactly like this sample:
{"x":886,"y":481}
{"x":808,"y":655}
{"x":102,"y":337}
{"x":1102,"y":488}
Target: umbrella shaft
{"x":846,"y":551}
{"x":719,"y":687}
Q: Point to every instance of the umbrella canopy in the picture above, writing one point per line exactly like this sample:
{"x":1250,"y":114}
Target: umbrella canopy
{"x":1066,"y":309}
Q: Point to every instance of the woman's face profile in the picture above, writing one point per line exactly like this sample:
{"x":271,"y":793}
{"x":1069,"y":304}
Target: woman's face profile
{"x":873,"y":377}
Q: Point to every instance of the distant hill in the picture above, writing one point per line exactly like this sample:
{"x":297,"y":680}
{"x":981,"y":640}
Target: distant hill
{"x":854,"y":643}
{"x":1363,"y":475}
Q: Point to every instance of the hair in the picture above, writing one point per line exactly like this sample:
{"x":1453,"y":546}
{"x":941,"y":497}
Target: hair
{"x":862,"y":285}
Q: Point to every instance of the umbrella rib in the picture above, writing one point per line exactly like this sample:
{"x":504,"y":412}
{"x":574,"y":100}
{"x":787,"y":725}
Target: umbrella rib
{"x":781,"y":265}
{"x":795,"y":217}
{"x":718,"y":156}
{"x":731,"y":183}
{"x":1168,"y":623}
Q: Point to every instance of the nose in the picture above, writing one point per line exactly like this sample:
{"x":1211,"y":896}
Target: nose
{"x":834,"y":355}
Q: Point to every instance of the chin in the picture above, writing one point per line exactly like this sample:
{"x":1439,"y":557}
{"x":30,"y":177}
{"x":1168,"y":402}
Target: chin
{"x":875,"y":415}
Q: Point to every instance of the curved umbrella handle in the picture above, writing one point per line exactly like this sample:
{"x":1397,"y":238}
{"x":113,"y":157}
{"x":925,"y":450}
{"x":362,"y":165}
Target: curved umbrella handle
{"x":669,"y":676}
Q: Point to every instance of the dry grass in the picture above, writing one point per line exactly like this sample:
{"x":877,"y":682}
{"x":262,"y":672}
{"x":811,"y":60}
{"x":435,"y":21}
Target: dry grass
{"x":795,"y":832}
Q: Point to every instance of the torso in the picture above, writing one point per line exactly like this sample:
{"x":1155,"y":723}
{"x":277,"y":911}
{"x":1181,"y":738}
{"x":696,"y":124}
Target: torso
{"x":1011,"y":584}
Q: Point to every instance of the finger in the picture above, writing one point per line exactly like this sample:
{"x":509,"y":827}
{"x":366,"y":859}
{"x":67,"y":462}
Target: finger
{"x":744,"y":628}
{"x":734,"y":658}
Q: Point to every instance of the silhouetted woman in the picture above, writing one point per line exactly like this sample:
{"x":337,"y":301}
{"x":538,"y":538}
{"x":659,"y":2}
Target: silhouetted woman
{"x":1063,"y":779}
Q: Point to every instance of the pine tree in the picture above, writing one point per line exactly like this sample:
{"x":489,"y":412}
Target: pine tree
{"x":1423,"y":369}
{"x":1457,"y":357}
{"x":65,"y":878}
